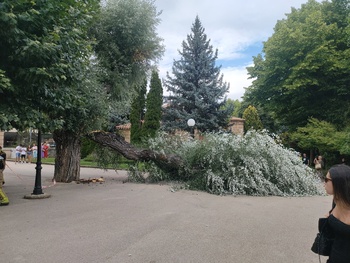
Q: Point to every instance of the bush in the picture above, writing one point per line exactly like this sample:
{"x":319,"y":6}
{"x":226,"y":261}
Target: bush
{"x":87,"y":147}
{"x":256,"y":164}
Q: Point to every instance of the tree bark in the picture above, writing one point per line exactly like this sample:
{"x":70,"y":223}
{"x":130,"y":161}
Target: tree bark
{"x":67,"y":162}
{"x":170,"y":163}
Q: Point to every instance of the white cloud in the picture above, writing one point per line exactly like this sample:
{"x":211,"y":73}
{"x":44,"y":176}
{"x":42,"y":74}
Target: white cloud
{"x":238,"y":79}
{"x":233,"y":26}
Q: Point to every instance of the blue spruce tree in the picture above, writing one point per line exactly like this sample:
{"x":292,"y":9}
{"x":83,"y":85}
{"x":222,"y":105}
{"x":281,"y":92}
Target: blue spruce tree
{"x":196,"y":88}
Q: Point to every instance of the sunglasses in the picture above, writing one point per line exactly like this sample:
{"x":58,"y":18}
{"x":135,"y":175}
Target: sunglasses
{"x":326,"y":180}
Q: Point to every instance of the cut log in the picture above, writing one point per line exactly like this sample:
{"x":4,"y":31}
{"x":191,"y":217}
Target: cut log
{"x":170,"y":163}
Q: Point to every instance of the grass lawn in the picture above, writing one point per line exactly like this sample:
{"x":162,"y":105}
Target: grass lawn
{"x":122,"y":165}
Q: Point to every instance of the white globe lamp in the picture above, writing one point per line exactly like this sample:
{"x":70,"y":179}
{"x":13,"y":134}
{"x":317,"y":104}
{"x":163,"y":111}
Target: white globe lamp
{"x":191,"y":123}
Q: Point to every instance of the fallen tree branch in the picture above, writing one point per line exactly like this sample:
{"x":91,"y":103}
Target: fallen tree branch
{"x":117,"y":143}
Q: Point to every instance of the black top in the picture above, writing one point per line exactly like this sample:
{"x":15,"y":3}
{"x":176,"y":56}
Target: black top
{"x":2,"y":159}
{"x":305,"y":160}
{"x":341,"y":247}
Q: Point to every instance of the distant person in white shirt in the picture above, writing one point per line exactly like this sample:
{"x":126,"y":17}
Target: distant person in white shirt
{"x":18,"y":153}
{"x":23,"y":154}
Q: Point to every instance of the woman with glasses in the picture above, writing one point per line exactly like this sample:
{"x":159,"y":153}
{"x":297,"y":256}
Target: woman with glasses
{"x":337,"y":183}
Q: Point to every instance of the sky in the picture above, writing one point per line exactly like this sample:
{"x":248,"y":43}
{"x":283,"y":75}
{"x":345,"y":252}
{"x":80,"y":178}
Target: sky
{"x":237,"y":28}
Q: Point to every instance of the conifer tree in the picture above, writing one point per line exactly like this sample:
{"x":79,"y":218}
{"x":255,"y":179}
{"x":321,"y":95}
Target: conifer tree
{"x":154,"y":106}
{"x":252,"y":119}
{"x":137,"y":113}
{"x":196,"y":88}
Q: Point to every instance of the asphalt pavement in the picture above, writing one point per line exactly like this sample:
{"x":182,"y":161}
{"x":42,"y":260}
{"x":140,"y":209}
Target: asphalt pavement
{"x":118,"y":221}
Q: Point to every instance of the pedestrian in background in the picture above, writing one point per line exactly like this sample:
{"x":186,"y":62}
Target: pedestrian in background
{"x":46,"y":148}
{"x":35,"y":151}
{"x":3,"y":197}
{"x":319,"y":165}
{"x":23,"y":154}
{"x":18,"y":154}
{"x":337,"y":183}
{"x":305,"y":159}
{"x":29,"y":154}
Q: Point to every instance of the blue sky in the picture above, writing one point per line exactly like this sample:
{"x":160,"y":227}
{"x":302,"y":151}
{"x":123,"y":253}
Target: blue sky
{"x":246,"y":56}
{"x":237,"y":28}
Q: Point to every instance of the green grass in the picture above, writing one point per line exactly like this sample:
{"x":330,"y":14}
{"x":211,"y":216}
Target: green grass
{"x":88,"y":162}
{"x":49,"y":160}
{"x":123,"y":163}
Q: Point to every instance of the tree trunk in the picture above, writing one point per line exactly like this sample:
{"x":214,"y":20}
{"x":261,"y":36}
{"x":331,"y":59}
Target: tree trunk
{"x":170,"y":163}
{"x":67,"y":163}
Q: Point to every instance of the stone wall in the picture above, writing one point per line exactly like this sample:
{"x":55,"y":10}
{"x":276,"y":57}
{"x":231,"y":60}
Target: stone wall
{"x":2,"y":138}
{"x":124,"y":130}
{"x":236,"y":125}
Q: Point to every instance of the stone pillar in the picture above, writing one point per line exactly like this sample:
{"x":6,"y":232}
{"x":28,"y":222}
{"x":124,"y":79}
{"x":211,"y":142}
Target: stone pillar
{"x":2,"y":138}
{"x":125,"y":130}
{"x":236,"y":125}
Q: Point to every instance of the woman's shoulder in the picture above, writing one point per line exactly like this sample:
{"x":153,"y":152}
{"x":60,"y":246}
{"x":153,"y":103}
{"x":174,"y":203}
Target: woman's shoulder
{"x":335,"y":222}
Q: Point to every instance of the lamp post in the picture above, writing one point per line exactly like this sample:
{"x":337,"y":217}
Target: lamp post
{"x":38,"y":190}
{"x":191,"y":123}
{"x":37,"y":187}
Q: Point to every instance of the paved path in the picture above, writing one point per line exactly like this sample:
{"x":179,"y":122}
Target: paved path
{"x":125,"y":222}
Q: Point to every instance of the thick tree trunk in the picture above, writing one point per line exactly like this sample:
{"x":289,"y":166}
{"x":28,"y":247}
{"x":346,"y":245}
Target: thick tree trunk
{"x":67,"y":163}
{"x":170,"y":163}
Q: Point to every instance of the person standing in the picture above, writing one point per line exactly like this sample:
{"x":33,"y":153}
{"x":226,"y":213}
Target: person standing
{"x":305,"y":160}
{"x":319,"y":165}
{"x":42,"y":150}
{"x":23,"y":154}
{"x":46,"y":150}
{"x":35,"y":151}
{"x":3,"y":197}
{"x":18,"y":154}
{"x":337,"y":183}
{"x":29,"y":154}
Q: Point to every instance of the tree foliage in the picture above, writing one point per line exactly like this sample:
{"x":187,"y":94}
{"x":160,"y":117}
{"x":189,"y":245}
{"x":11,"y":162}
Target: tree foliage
{"x":154,"y":103}
{"x":304,"y":69}
{"x":344,"y":141}
{"x":196,"y":88}
{"x":316,"y":135}
{"x":253,"y":164}
{"x":44,"y":53}
{"x":251,"y":119}
{"x":47,"y":78}
{"x":235,"y":105}
{"x":127,"y":44}
{"x":323,"y":136}
{"x":137,"y":114}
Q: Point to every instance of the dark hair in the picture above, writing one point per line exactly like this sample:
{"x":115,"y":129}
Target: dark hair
{"x":340,"y":175}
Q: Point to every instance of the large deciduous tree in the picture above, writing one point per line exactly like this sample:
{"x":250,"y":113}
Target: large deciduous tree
{"x":304,"y":69}
{"x":323,"y":137}
{"x":45,"y":53}
{"x":127,"y":44}
{"x":316,"y":134}
{"x":234,"y":106}
{"x":196,"y":88}
{"x":87,"y":112}
{"x":46,"y":74}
